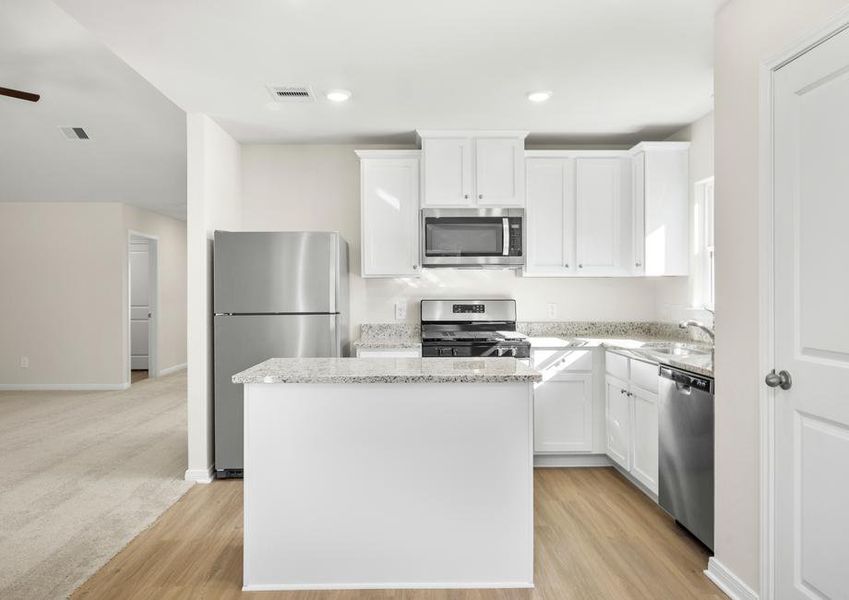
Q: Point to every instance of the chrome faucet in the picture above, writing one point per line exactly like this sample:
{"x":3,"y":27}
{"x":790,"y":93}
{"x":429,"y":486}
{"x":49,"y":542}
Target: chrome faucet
{"x":706,"y":329}
{"x":698,"y":325}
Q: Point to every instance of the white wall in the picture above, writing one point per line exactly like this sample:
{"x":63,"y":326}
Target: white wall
{"x":63,"y":268}
{"x":748,"y":32}
{"x":676,"y":296}
{"x":61,"y":299}
{"x":317,"y":188}
{"x":214,"y":202}
{"x":171,"y":248}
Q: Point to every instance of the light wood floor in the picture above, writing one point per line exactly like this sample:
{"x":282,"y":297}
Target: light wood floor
{"x":596,"y":538}
{"x":138,"y":375}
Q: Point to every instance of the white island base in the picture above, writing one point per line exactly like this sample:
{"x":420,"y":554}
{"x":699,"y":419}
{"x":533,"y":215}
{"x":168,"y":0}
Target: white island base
{"x":388,"y":485}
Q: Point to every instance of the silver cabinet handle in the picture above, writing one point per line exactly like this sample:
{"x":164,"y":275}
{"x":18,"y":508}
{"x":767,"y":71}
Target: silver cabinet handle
{"x":566,"y":265}
{"x":466,"y":196}
{"x":580,"y":266}
{"x":638,"y":264}
{"x":415,"y":267}
{"x":480,"y":196}
{"x":781,"y":379}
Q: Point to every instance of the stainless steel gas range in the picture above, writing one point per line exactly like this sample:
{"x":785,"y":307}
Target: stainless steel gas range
{"x":471,"y":328}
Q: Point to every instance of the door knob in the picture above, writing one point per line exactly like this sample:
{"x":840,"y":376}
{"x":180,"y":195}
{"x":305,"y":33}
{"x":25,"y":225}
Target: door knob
{"x":781,"y":379}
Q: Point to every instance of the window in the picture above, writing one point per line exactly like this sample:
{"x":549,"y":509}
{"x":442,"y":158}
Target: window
{"x":705,"y":287}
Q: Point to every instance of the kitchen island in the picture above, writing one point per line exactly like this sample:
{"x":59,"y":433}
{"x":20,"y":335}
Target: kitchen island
{"x":388,"y":473}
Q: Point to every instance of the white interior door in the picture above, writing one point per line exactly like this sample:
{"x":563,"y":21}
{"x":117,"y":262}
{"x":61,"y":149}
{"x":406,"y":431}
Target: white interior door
{"x":811,"y":191}
{"x":140,"y":311}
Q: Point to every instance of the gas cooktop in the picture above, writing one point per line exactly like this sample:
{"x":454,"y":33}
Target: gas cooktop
{"x":471,"y":328}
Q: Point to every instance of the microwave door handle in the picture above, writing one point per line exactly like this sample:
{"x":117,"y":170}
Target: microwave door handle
{"x":505,"y":246}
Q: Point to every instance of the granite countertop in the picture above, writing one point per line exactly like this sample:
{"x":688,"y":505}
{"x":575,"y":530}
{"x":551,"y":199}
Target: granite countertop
{"x":389,"y":370}
{"x":632,"y":339}
{"x":640,"y":348}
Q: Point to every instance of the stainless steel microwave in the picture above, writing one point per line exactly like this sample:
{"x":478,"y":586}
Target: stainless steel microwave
{"x":469,"y":237}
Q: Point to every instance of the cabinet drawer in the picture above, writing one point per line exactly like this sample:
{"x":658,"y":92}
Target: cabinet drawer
{"x":644,"y":375}
{"x":389,"y":353}
{"x":553,"y":363}
{"x":616,"y":365}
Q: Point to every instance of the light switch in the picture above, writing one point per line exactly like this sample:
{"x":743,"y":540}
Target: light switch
{"x":552,"y":310}
{"x":25,"y":362}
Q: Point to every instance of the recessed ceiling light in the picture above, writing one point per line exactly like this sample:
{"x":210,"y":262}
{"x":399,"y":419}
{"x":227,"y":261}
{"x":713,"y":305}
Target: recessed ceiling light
{"x":338,"y":95}
{"x":540,"y":96}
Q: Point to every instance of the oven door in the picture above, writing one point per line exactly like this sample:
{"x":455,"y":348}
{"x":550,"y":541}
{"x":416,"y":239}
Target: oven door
{"x":472,"y":238}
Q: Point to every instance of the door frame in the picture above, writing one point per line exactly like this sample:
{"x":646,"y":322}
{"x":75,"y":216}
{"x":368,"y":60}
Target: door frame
{"x":153,"y":339}
{"x":766,"y":286}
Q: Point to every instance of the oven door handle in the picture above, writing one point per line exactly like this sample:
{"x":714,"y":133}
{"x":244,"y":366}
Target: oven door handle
{"x":505,"y":246}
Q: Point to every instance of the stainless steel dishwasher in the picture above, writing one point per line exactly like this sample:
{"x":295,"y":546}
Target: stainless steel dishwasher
{"x":686,"y":450}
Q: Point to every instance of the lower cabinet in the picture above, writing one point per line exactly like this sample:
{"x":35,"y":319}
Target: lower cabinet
{"x":632,"y":419}
{"x":618,"y":407}
{"x":388,"y":353}
{"x":563,"y":401}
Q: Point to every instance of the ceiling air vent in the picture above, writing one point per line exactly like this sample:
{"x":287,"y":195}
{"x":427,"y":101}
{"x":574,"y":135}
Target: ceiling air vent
{"x":291,"y":93}
{"x":75,"y":134}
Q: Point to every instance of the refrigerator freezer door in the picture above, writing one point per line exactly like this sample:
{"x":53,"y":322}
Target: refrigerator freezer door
{"x":277,"y":272}
{"x":243,"y":341}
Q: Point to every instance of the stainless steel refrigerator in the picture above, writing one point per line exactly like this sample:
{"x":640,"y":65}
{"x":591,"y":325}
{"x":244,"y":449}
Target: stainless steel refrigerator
{"x":275,"y":295}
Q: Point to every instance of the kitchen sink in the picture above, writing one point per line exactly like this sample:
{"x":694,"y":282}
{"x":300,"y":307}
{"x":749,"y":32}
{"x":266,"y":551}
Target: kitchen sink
{"x":675,"y":349}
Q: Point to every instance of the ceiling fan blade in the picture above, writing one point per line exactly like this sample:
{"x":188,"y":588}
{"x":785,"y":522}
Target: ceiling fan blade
{"x":19,"y":94}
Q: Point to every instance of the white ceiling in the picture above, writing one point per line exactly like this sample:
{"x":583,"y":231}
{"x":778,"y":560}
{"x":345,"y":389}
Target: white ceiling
{"x":137,"y":153}
{"x":620,"y":70}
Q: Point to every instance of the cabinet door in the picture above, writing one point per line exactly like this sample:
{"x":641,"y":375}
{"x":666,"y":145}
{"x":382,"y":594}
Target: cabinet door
{"x":563,"y":414}
{"x":550,"y":216}
{"x":638,"y":180}
{"x":598,"y":197}
{"x":645,"y":463}
{"x":447,"y":172}
{"x":618,"y":412}
{"x":389,"y":204}
{"x":499,"y":171}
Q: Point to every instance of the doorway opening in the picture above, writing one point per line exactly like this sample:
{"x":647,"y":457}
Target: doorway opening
{"x":143,"y":309}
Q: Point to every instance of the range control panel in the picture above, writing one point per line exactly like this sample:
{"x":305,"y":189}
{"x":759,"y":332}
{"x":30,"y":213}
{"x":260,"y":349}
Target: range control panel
{"x":469,"y":309}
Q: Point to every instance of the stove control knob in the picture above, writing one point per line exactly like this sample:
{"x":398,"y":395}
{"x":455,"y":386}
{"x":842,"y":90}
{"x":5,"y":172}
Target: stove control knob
{"x":512,"y":351}
{"x":456,"y":351}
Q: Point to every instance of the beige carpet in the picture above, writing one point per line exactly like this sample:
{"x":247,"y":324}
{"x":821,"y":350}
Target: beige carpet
{"x":82,"y":474}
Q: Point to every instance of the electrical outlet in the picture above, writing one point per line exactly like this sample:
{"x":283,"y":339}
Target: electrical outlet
{"x":25,"y":362}
{"x":401,"y":310}
{"x":552,"y":310}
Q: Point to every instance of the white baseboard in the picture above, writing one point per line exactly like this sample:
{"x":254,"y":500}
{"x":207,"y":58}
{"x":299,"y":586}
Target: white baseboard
{"x":728,"y":582}
{"x":200,"y":475}
{"x":571,"y":460}
{"x":483,"y":585}
{"x":67,"y":387}
{"x":174,"y":369}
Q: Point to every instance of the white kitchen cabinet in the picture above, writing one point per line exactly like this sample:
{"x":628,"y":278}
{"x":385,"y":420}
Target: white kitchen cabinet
{"x":500,"y":171}
{"x":563,"y":401}
{"x":473,"y":169}
{"x":389,"y":352}
{"x":632,"y":417}
{"x":661,"y":204}
{"x":447,"y":172}
{"x":550,"y":216}
{"x":389,"y":220}
{"x":598,"y":202}
{"x":645,"y":435}
{"x":618,"y":407}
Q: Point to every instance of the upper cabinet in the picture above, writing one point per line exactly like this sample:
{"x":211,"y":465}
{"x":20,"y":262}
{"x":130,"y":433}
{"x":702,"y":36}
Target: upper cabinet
{"x":576,"y":203}
{"x":447,"y":171}
{"x":600,"y":200}
{"x":389,"y":205}
{"x":473,"y":169}
{"x":660,"y":217}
